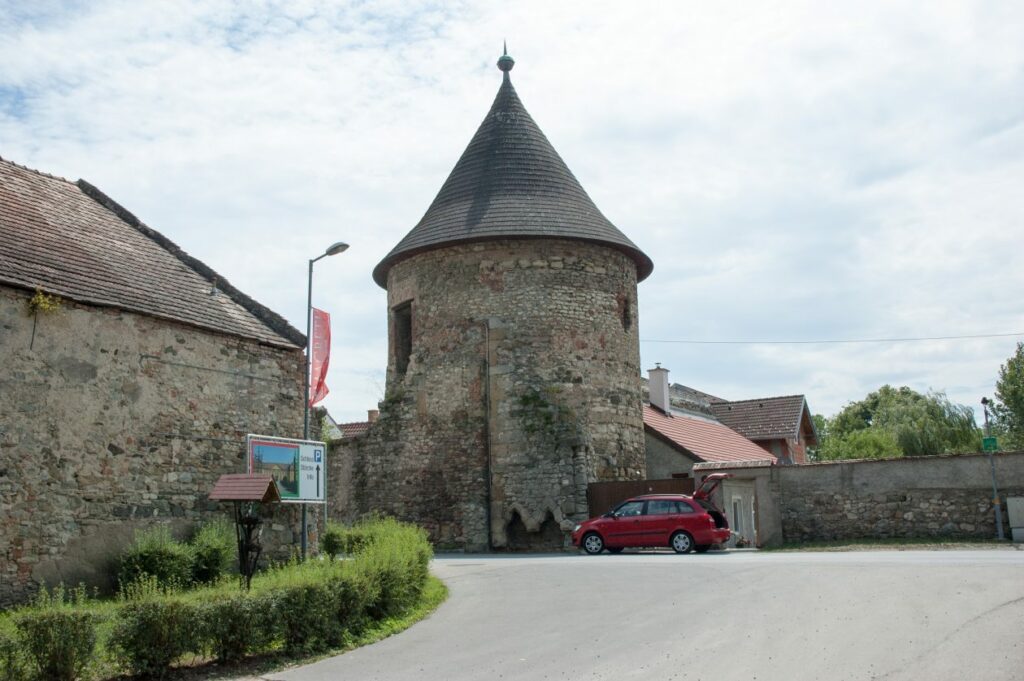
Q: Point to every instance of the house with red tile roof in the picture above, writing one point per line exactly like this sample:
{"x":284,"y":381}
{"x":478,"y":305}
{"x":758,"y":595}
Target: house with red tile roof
{"x":343,"y":431}
{"x":782,"y":425}
{"x":698,"y":439}
{"x":680,"y":433}
{"x":685,"y":427}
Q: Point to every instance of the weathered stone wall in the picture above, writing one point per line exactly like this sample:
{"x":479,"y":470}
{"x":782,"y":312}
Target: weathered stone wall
{"x":929,"y":496}
{"x":522,"y":387}
{"x":909,"y":497}
{"x":111,"y":421}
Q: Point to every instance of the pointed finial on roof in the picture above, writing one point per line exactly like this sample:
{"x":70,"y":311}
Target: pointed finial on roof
{"x":505,"y":62}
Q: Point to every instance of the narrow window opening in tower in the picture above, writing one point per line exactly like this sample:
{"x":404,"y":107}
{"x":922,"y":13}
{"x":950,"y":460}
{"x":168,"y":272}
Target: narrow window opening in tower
{"x":627,"y":314}
{"x":403,"y":336}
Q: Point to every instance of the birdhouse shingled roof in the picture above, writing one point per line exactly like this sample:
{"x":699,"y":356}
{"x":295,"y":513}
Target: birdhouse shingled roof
{"x":242,"y":487}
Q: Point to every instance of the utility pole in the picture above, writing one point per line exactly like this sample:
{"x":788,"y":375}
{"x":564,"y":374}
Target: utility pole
{"x":992,"y":468}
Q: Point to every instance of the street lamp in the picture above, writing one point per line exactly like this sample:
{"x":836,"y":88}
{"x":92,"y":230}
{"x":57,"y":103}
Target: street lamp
{"x":992,"y":467}
{"x":333,"y":249}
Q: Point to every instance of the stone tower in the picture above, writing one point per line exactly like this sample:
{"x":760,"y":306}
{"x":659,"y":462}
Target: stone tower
{"x":513,"y":367}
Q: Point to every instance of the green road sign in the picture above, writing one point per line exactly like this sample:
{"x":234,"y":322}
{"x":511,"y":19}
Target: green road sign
{"x":989,"y":444}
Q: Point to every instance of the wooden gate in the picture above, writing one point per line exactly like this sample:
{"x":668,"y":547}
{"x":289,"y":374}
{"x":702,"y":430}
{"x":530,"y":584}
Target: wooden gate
{"x":603,"y":496}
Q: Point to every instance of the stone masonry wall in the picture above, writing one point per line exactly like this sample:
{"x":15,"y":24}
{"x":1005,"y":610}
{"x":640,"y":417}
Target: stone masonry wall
{"x":111,"y":421}
{"x":927,"y":496}
{"x":523,"y":386}
{"x":947,"y":496}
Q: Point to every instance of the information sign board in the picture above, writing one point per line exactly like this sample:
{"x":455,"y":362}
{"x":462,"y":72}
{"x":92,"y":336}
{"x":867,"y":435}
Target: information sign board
{"x":989,"y":444}
{"x":299,"y":467}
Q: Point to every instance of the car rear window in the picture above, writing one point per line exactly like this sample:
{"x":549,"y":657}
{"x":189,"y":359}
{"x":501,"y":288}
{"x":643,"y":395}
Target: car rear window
{"x":667,"y":507}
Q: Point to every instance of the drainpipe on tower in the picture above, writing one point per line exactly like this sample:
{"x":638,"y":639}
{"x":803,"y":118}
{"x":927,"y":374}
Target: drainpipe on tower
{"x":487,"y":429}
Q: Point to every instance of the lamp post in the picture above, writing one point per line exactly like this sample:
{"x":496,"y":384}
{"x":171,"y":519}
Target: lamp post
{"x":992,"y":467}
{"x":333,"y":249}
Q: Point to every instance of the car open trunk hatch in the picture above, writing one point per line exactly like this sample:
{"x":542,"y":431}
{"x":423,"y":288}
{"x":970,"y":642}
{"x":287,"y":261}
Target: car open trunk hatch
{"x":709,"y":485}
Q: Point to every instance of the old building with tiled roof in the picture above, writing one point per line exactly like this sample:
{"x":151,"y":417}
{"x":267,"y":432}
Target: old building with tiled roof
{"x":513,"y":376}
{"x":339,"y":431}
{"x":131,"y":374}
{"x":699,"y":439}
{"x":782,"y":425}
{"x":682,"y":430}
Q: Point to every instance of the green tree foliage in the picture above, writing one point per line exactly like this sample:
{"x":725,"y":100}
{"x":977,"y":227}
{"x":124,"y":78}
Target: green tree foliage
{"x":821,"y":429}
{"x":1009,"y":405}
{"x":868,"y":443}
{"x":899,"y":422}
{"x":820,"y":426}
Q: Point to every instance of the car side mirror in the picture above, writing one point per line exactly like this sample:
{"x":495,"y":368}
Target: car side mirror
{"x":609,"y":514}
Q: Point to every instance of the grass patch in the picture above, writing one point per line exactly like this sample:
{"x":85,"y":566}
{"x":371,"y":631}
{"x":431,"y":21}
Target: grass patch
{"x":893,"y":544}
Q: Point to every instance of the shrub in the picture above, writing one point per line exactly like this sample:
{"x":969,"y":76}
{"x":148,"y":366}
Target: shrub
{"x":332,"y":541}
{"x":237,"y":625}
{"x":153,"y":628}
{"x":13,"y":665}
{"x":339,"y":539}
{"x":357,"y":593}
{"x":57,"y":633}
{"x":156,"y":553}
{"x":396,"y":557}
{"x":213,"y":549}
{"x":305,"y":602}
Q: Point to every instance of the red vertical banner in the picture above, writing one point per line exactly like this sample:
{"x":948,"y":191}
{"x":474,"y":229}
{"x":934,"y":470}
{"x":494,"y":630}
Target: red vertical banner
{"x":320,"y":355}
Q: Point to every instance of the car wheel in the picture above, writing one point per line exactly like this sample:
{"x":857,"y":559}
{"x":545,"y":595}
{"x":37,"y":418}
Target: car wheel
{"x":702,"y":548}
{"x":593,"y":544}
{"x":614,"y":549}
{"x":681,"y":542}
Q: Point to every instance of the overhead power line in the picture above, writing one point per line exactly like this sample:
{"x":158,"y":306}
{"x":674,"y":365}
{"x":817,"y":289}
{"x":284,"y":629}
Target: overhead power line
{"x":833,"y":340}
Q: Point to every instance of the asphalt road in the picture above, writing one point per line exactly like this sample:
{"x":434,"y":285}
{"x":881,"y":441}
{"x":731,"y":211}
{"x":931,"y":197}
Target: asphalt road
{"x":893,"y":615}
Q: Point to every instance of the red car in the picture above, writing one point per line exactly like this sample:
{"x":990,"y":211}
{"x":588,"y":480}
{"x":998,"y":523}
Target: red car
{"x":675,"y":520}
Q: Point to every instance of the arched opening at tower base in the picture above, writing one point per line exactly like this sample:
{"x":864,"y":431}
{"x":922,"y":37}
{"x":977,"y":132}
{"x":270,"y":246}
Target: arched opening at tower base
{"x":547,"y":537}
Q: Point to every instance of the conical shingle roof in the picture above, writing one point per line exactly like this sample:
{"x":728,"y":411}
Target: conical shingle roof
{"x":510,"y":183}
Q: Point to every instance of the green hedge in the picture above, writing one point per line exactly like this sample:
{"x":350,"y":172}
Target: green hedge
{"x":155,"y":553}
{"x":238,"y":624}
{"x":341,"y":539}
{"x":54,"y":639}
{"x":13,"y":664}
{"x":298,"y":609}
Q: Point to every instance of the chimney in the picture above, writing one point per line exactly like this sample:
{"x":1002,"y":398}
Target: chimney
{"x":658,"y":387}
{"x":372,"y":415}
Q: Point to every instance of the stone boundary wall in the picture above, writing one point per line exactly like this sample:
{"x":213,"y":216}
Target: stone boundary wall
{"x":912,"y":497}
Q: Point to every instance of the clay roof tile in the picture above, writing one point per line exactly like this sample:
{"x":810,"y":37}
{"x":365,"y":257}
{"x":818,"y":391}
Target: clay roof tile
{"x":705,"y":438}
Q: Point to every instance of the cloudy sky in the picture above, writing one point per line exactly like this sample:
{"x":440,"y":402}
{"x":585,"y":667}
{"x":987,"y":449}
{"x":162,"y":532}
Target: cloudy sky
{"x":797,"y":171}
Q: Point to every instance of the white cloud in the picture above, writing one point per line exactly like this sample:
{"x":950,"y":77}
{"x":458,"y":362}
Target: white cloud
{"x":797,"y":171}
